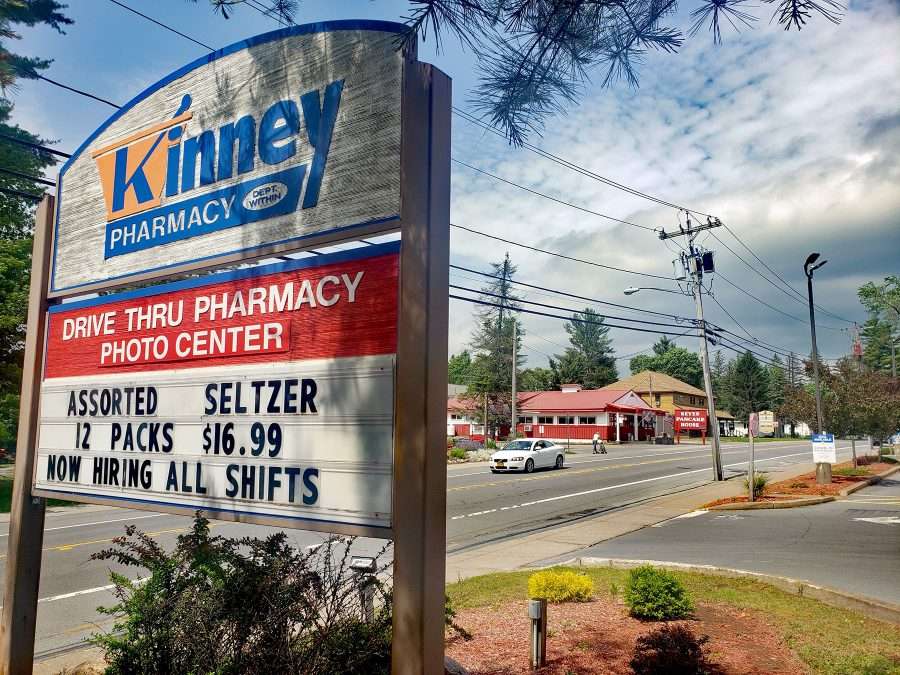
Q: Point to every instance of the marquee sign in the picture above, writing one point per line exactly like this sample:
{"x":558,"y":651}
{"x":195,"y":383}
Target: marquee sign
{"x":257,"y":146}
{"x":265,"y":392}
{"x":687,"y":420}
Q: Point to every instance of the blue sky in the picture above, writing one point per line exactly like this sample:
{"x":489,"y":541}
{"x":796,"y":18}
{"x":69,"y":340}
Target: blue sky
{"x":791,"y":139}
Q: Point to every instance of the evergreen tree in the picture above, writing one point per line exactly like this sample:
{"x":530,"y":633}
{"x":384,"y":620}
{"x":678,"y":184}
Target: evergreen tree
{"x":717,"y":372}
{"x":535,"y":379}
{"x":492,"y":345}
{"x":747,"y":386}
{"x":590,"y":361}
{"x":883,"y":302}
{"x":876,"y":337}
{"x":664,"y":344}
{"x":778,"y":384}
{"x":459,"y":368}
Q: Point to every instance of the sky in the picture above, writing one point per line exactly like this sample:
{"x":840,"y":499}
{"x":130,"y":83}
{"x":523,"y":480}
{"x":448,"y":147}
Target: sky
{"x":791,"y":139}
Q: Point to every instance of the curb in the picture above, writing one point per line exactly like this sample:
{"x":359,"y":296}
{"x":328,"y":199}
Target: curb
{"x":874,"y":609}
{"x":752,"y":506}
{"x":869,"y":481}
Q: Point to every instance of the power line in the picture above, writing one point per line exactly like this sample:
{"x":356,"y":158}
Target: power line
{"x":34,"y":146}
{"x":555,"y":316}
{"x":26,"y":176}
{"x":22,"y":195}
{"x":162,"y":25}
{"x":81,"y":92}
{"x":558,"y":255}
{"x":577,"y":168}
{"x":763,"y":302}
{"x":782,"y":279}
{"x":553,"y":199}
{"x":566,"y":309}
{"x":574,"y":295}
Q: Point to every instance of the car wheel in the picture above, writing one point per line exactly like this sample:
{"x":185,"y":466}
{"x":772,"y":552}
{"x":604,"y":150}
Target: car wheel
{"x":529,"y":466}
{"x":559,"y":461}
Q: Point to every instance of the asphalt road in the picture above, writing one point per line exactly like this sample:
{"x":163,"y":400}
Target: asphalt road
{"x":481,"y":507}
{"x":851,"y":545}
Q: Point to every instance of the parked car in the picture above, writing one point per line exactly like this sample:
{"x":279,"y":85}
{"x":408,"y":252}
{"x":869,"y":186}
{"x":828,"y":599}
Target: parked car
{"x":528,"y":454}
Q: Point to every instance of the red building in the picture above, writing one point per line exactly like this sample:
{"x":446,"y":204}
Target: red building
{"x":577,"y":414}
{"x":571,"y":414}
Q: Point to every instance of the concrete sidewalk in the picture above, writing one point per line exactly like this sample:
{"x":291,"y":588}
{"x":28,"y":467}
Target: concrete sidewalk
{"x":554,"y":542}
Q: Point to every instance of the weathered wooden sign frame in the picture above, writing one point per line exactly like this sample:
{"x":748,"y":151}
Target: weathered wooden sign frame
{"x":419,"y":473}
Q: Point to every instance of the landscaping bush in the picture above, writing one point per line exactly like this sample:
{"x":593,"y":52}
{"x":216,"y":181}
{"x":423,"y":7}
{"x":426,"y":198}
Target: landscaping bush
{"x":490,"y":444}
{"x":652,"y":593}
{"x":671,"y":650}
{"x":851,"y":473}
{"x":457,"y":453}
{"x":560,"y":586}
{"x":228,"y":606}
{"x":760,"y":480}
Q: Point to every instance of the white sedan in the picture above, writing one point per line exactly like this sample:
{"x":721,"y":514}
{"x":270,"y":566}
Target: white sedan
{"x":528,"y":454}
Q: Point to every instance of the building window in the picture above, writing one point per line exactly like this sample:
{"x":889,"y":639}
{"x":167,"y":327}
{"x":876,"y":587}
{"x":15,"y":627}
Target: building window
{"x":525,"y":420}
{"x":564,"y":419}
{"x":657,"y":400}
{"x":587,"y":420}
{"x":545,"y":420}
{"x":456,"y":417}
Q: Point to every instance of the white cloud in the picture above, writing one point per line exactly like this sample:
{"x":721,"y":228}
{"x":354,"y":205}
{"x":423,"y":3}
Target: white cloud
{"x":791,"y":139}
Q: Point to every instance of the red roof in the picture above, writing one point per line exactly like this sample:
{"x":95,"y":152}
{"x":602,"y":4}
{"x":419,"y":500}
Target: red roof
{"x":592,"y":400}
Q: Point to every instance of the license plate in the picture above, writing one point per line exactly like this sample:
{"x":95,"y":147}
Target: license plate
{"x":500,"y":462}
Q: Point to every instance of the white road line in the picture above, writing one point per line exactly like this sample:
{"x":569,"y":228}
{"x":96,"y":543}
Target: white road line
{"x":614,"y":487}
{"x":98,"y":522}
{"x":610,"y":458}
{"x":86,"y":591}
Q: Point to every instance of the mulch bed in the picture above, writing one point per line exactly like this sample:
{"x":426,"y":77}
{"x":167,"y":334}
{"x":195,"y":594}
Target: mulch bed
{"x":805,"y":485}
{"x":599,"y":637}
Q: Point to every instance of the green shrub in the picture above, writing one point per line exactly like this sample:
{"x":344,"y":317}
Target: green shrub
{"x":670,"y":650}
{"x":490,"y":444}
{"x":228,"y":606}
{"x":560,"y":586}
{"x":458,"y":453}
{"x":652,"y":593}
{"x":760,"y":480}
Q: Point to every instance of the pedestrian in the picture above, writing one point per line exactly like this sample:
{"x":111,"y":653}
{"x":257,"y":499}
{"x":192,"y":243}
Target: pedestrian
{"x":596,"y":441}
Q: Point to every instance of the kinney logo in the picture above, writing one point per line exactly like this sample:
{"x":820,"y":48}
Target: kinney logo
{"x":150,"y":178}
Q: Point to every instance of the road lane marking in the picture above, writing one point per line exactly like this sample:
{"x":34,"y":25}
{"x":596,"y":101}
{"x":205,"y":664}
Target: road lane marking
{"x":77,"y":544}
{"x":99,"y":522}
{"x":575,"y":472}
{"x":73,"y":594}
{"x":612,"y":487}
{"x":881,"y":520}
{"x":690,"y":514}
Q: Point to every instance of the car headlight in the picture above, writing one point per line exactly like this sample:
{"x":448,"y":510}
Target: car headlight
{"x":516,"y":459}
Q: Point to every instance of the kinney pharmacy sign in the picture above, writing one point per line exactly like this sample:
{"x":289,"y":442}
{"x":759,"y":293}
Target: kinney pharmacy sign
{"x":264,"y":143}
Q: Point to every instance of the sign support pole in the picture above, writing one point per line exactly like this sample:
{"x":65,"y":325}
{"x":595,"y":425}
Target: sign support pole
{"x":420,"y":465}
{"x":26,"y":523}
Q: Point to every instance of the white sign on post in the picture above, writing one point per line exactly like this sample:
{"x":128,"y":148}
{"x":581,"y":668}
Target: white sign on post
{"x":824,"y":450}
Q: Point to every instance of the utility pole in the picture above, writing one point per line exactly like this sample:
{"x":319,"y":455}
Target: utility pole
{"x":514,"y":357}
{"x":695,"y":263}
{"x":823,"y":469}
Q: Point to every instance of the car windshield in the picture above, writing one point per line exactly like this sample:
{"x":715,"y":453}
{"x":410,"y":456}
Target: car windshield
{"x":518,"y":445}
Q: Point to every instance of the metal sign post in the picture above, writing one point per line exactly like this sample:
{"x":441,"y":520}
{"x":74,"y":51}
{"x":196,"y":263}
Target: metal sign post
{"x":752,"y":431}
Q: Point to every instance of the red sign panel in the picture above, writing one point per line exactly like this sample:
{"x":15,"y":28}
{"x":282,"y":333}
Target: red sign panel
{"x":295,"y":311}
{"x":686,"y":420}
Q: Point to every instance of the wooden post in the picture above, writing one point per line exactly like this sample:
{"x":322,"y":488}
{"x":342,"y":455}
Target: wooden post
{"x":26,"y":523}
{"x":420,"y":465}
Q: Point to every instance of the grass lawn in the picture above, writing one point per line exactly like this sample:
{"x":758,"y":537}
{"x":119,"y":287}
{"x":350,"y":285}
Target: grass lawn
{"x":831,"y":641}
{"x":6,"y":496}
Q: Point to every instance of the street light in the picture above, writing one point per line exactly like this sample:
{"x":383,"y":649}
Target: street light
{"x":631,"y":290}
{"x":823,"y":469}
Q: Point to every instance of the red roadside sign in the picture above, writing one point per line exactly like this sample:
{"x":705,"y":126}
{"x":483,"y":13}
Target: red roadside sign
{"x":690,"y":420}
